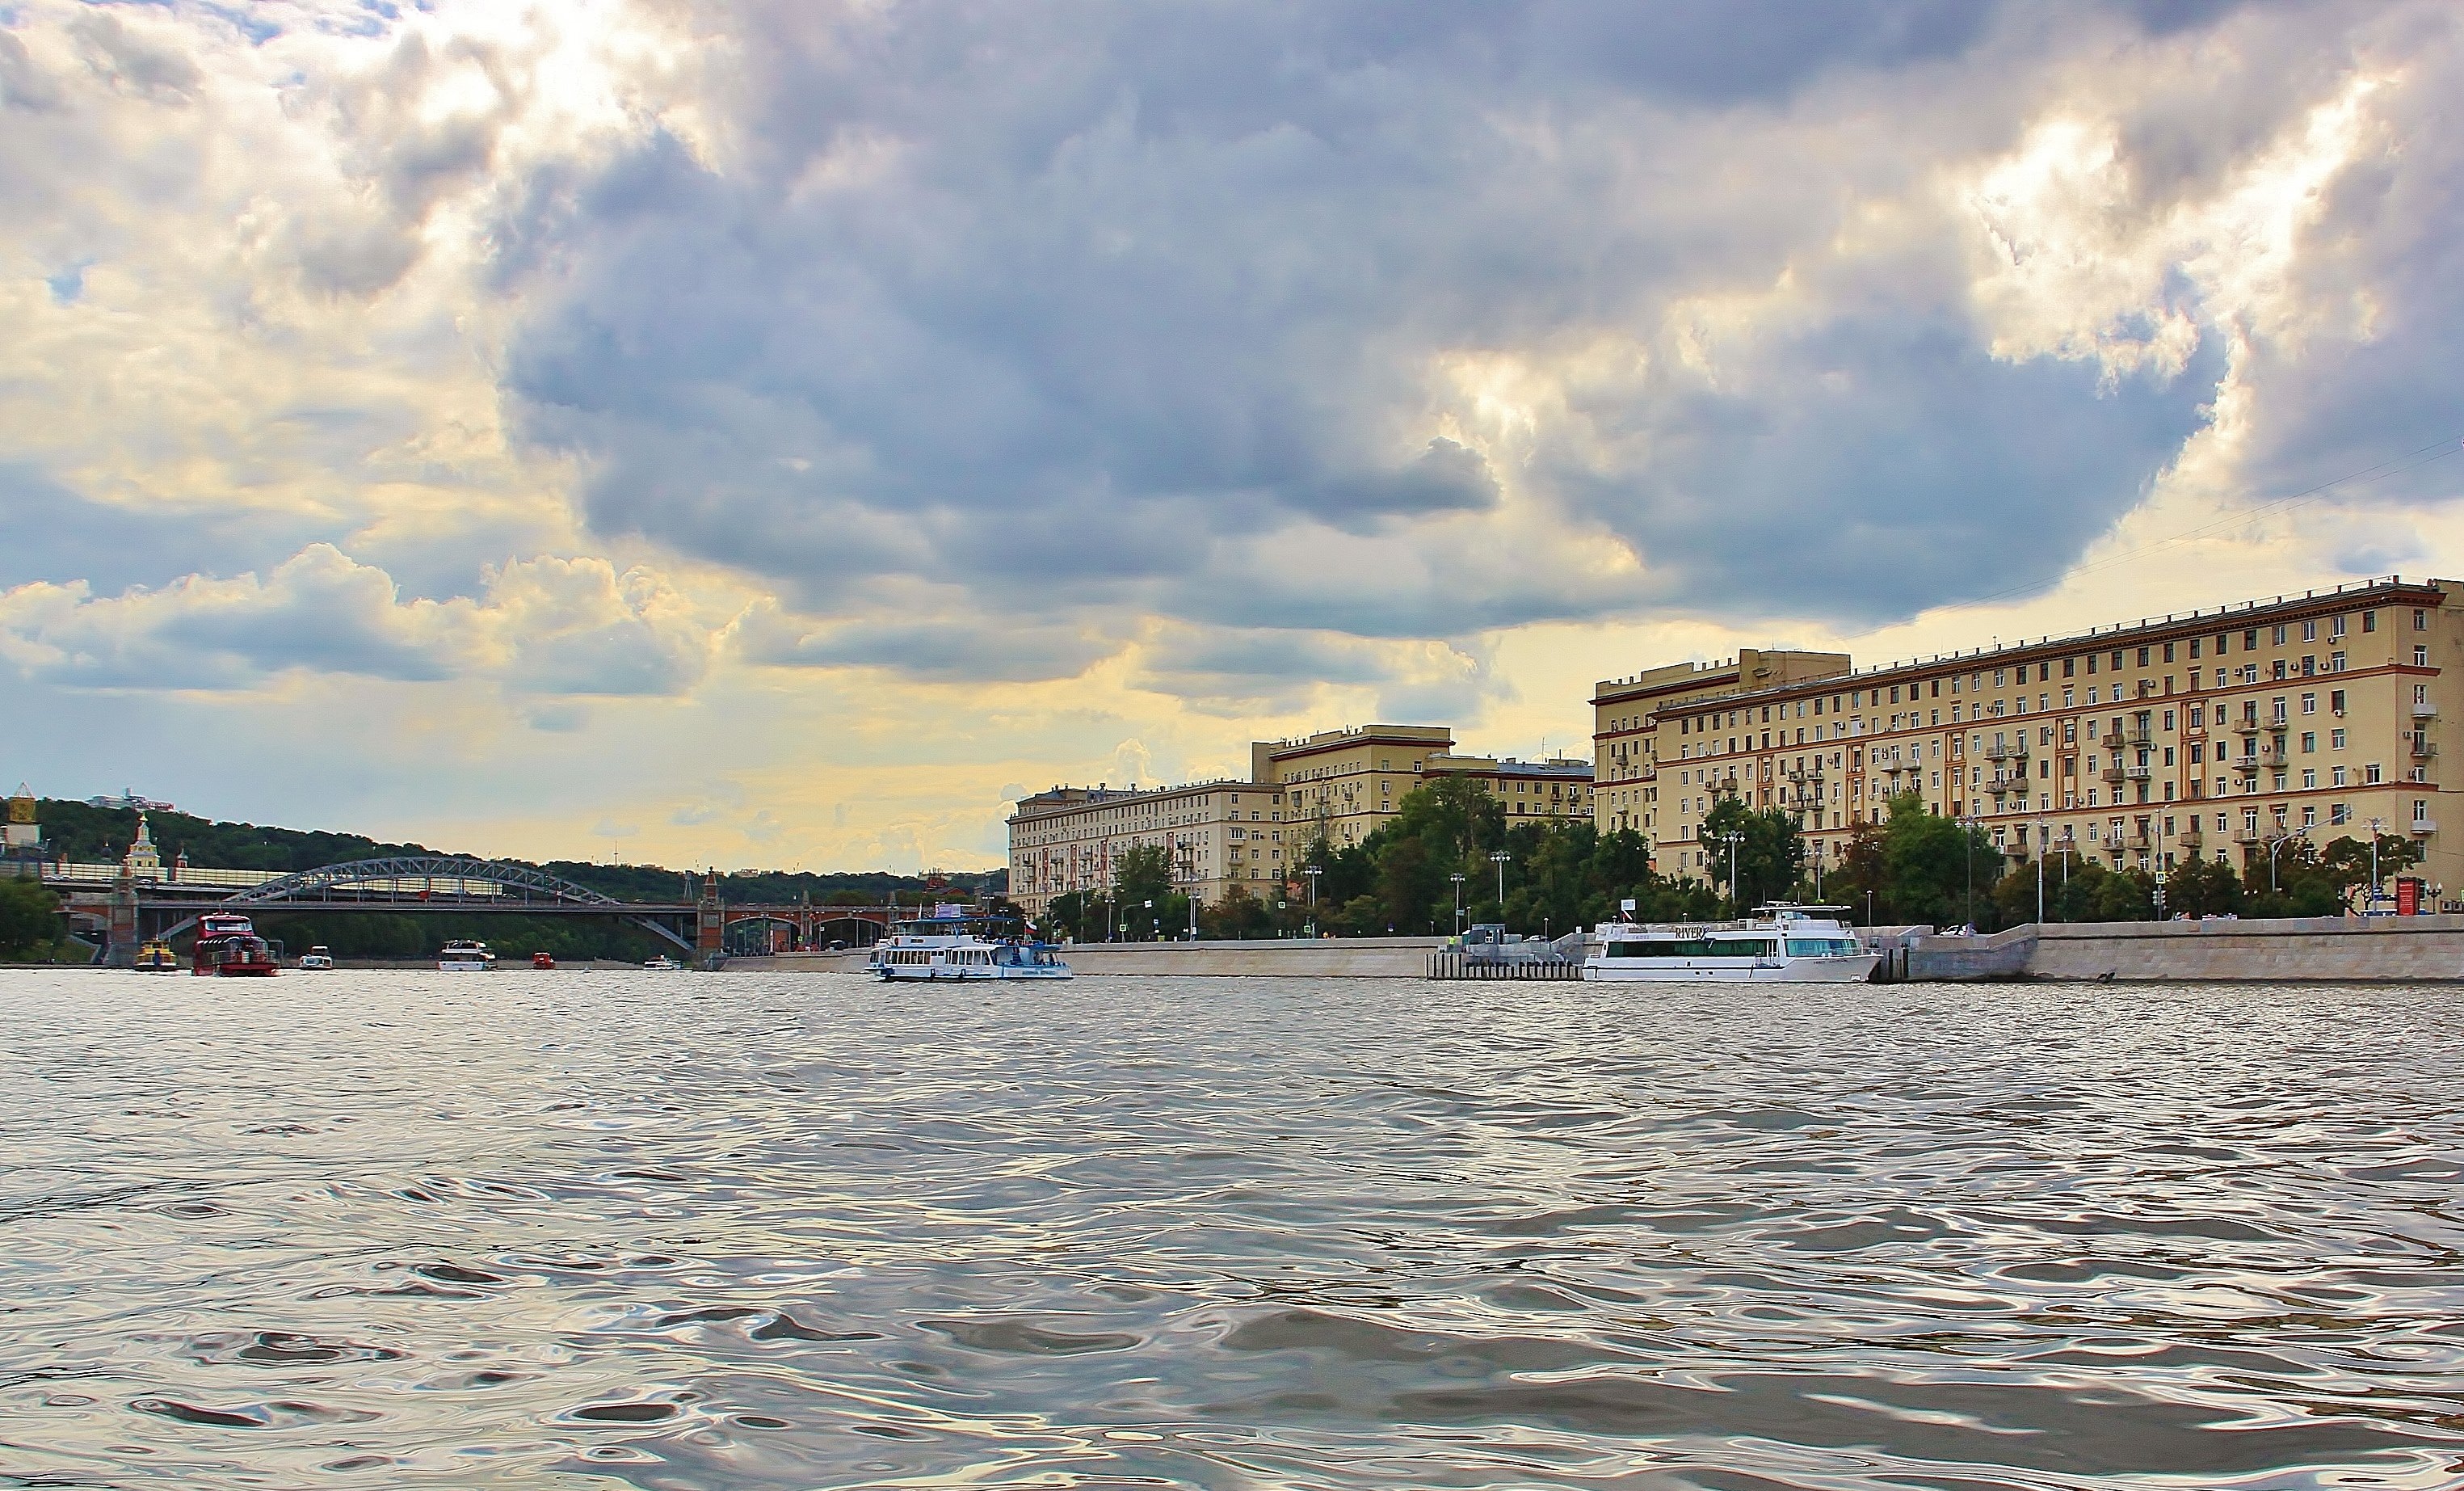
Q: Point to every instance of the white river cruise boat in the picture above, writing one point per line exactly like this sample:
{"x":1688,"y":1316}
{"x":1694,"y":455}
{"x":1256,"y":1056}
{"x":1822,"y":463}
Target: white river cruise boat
{"x":937,"y":949}
{"x":466,"y":957}
{"x":1781,"y":944}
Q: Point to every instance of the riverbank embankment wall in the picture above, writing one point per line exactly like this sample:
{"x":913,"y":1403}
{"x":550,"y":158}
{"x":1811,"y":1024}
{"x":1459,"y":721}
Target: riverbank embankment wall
{"x":1331,"y":957}
{"x":2291,"y":949}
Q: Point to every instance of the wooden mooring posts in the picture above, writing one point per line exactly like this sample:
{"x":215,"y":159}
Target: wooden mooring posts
{"x":1450,"y":964}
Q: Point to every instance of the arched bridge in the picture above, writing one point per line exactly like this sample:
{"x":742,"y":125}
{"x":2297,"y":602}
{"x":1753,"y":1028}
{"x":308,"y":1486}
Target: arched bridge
{"x":435,"y":882}
{"x":707,"y":926}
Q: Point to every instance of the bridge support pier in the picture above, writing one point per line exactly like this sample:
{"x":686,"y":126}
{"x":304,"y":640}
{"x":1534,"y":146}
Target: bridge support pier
{"x":119,"y":926}
{"x":709,"y":925}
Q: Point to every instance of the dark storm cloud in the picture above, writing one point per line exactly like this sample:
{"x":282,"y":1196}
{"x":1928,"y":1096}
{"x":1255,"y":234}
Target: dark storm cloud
{"x":1120,"y":305}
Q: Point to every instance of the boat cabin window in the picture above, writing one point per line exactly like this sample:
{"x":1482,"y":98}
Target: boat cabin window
{"x":1821,"y":947}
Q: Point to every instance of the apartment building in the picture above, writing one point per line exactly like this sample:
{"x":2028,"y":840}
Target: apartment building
{"x":2223,"y":733}
{"x":1625,"y":714}
{"x":1557,"y":788}
{"x":1339,"y":784}
{"x":1214,"y":836}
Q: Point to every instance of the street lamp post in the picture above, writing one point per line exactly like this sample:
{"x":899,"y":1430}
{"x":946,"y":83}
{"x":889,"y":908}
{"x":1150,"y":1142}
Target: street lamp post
{"x":1968,"y":859}
{"x":2374,"y":867}
{"x":1151,"y":920}
{"x":2277,"y":845}
{"x":1499,"y":859}
{"x":1458,"y":879}
{"x":1312,"y":872}
{"x":1732,"y":838}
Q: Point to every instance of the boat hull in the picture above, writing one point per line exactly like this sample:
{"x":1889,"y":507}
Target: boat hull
{"x":463,"y":966}
{"x":966,"y":973}
{"x":1858,"y":970}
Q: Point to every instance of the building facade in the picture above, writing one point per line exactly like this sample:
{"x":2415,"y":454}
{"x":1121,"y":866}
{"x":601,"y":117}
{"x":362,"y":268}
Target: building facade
{"x":2225,"y":733}
{"x":1625,"y":714}
{"x":1557,"y":788}
{"x":1339,"y":784}
{"x":1214,"y":836}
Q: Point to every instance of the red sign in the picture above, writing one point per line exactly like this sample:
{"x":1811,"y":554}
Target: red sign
{"x":2408,"y":895}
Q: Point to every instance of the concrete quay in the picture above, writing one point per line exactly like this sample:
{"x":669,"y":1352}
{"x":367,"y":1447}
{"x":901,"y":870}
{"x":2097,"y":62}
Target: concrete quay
{"x":1335,"y":957}
{"x":2292,"y":950}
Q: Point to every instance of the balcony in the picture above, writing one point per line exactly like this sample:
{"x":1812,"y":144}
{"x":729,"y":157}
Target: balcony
{"x":2113,"y":772}
{"x":2247,"y":726}
{"x":2271,"y":756}
{"x":2247,"y":765}
{"x":2137,"y":843}
{"x":2423,"y":828}
{"x":2138,"y":773}
{"x":2423,"y":709}
{"x":2247,"y":835}
{"x":2001,"y":753}
{"x":2190,"y":838}
{"x":2423,"y":747}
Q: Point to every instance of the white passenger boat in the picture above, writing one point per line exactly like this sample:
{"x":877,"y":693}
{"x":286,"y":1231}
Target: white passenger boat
{"x":461,"y":956}
{"x":316,"y":958}
{"x":940,"y":948}
{"x":1781,"y":944}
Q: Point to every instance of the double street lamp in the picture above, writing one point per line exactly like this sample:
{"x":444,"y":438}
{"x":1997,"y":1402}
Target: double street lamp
{"x":1499,"y":859}
{"x":1458,"y":879}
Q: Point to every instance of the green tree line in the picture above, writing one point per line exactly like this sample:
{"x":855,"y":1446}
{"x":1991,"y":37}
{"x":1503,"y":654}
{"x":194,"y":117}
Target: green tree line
{"x":82,"y":832}
{"x":1915,"y":867}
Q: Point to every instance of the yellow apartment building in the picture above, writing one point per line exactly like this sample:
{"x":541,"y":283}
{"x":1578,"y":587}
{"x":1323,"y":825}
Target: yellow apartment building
{"x":2223,"y":733}
{"x":1336,"y":784}
{"x":1214,"y":836}
{"x":1625,"y":714}
{"x":1558,"y":788}
{"x":1339,"y":784}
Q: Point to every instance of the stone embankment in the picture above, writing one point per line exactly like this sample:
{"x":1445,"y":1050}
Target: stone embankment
{"x":2309,"y":949}
{"x":1334,"y":957}
{"x":2294,"y":949}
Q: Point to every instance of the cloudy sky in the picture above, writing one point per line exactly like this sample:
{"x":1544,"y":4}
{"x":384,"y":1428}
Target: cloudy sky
{"x":781,"y":431}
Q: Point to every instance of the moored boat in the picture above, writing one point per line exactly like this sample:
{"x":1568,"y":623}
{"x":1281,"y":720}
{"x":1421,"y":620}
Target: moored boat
{"x":662,"y":964}
{"x":931,"y":949}
{"x":316,"y":960}
{"x":1781,"y":944}
{"x":464,"y":956}
{"x":156,"y":957}
{"x":228,"y":947}
{"x":541,"y":960}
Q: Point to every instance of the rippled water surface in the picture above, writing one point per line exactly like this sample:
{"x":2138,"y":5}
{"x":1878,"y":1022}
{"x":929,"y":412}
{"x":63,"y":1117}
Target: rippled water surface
{"x":752,"y":1230}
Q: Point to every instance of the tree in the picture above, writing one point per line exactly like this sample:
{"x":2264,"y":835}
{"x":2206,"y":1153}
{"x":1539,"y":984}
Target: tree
{"x":29,"y":917}
{"x":1769,"y":853}
{"x":1142,"y":873}
{"x":1932,"y":867}
{"x":2203,"y":888}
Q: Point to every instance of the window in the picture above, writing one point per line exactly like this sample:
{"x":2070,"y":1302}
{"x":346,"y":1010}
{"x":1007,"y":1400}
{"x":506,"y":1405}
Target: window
{"x":2370,"y":774}
{"x":2421,"y":657}
{"x":2336,"y":775}
{"x":2335,"y":662}
{"x":2194,"y":647}
{"x":2070,"y":667}
{"x":2117,"y":659}
{"x":2336,"y":740}
{"x":2143,"y":657}
{"x":2309,"y":742}
{"x":2091,"y":665}
{"x":2369,"y":621}
{"x":2309,"y":704}
{"x":2420,"y":620}
{"x":2250,"y":640}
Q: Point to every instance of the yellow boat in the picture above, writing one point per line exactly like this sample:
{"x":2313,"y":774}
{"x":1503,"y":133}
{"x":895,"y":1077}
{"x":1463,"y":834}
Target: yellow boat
{"x":156,"y":957}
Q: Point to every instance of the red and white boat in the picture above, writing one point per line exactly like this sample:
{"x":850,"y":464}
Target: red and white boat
{"x":228,"y":947}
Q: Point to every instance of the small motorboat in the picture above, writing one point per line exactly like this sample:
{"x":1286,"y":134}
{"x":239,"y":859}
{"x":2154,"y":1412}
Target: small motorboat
{"x":316,"y":960}
{"x":662,"y":964}
{"x":541,"y":960}
{"x":156,"y":957}
{"x":464,"y":956}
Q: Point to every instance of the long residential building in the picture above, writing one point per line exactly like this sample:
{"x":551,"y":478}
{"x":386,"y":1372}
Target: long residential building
{"x":2225,"y":733}
{"x":1337,"y":784}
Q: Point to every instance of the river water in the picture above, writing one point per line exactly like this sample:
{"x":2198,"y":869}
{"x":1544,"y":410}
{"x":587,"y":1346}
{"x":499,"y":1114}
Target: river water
{"x":609,"y":1230}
